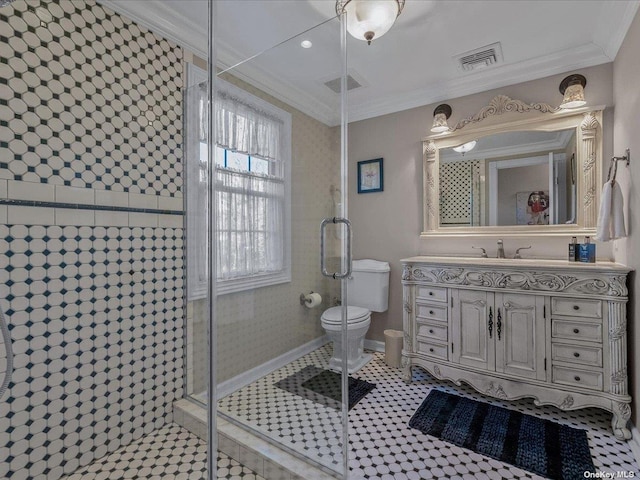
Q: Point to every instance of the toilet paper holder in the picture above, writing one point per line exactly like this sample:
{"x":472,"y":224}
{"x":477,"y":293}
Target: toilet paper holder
{"x":305,"y":298}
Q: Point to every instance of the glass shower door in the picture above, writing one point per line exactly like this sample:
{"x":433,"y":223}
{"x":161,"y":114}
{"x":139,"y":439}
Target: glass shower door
{"x":277,"y":171}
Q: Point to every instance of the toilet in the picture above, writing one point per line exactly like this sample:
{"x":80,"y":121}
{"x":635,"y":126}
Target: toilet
{"x":367,"y":291}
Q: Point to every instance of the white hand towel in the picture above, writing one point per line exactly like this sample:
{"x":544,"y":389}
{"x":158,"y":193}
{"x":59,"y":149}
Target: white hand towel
{"x":617,"y":229}
{"x":611,"y":216}
{"x":604,"y":217}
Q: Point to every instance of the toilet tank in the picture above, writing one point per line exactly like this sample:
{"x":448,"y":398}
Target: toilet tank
{"x":368,"y":285}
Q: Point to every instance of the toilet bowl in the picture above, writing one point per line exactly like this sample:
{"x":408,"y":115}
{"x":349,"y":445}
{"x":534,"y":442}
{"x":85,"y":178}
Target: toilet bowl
{"x":368,"y":289}
{"x":358,"y":321}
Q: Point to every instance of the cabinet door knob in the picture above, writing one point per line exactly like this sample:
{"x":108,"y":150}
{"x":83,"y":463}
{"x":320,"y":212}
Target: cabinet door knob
{"x":430,"y":331}
{"x":430,"y":312}
{"x":576,"y":378}
{"x":575,"y":330}
{"x":431,"y":350}
{"x":431,"y":293}
{"x":576,"y":307}
{"x":576,"y":354}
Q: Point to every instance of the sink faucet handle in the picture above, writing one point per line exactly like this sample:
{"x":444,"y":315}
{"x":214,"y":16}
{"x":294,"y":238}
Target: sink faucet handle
{"x":484,"y":252}
{"x":517,"y":255}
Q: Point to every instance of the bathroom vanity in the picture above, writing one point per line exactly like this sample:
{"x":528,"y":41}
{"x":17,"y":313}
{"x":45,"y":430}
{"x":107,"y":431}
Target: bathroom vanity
{"x":553,"y":331}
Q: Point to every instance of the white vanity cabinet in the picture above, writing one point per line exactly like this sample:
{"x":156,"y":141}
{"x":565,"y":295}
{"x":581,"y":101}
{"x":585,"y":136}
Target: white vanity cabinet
{"x":551,"y":330}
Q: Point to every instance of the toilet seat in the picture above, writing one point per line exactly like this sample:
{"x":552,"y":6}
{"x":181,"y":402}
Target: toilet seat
{"x":355,"y":315}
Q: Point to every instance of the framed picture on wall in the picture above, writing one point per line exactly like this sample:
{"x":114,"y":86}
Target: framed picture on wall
{"x":370,"y":176}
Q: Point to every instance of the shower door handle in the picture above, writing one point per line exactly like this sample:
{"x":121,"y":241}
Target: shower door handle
{"x":323,"y":264}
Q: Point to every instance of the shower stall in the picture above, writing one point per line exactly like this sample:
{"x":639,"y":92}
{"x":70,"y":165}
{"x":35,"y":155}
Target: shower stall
{"x":128,"y":180}
{"x":278,"y":169}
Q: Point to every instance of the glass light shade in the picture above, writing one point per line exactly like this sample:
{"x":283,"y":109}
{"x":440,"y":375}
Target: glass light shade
{"x":573,"y":97}
{"x":440,"y":123}
{"x":369,"y":19}
{"x":465,"y":147}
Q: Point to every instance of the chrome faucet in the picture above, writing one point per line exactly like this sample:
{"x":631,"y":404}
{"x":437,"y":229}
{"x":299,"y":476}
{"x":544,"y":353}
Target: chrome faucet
{"x":500,"y":249}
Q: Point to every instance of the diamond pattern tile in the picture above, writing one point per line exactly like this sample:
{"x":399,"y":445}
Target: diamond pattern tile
{"x":96,"y":100}
{"x":169,"y":453}
{"x":96,"y":318}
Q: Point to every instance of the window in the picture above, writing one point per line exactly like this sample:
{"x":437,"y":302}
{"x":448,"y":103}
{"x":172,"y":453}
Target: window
{"x":252,"y":175}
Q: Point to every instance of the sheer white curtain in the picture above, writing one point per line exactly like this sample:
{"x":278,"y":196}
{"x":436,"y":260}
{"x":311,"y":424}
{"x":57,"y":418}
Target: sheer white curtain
{"x":253,"y":209}
{"x":196,"y":184}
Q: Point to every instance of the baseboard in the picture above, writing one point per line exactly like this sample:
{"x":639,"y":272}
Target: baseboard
{"x":375,"y":345}
{"x":229,"y":386}
{"x":634,"y":443}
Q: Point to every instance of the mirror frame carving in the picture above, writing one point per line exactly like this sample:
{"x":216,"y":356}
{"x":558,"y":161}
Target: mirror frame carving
{"x":504,"y":114}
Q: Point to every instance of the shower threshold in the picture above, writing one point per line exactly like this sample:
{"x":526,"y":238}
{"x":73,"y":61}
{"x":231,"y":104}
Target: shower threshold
{"x":247,"y":447}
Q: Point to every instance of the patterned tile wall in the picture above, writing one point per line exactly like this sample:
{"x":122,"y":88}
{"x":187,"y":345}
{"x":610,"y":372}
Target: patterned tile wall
{"x":257,"y":326}
{"x":91,"y":252}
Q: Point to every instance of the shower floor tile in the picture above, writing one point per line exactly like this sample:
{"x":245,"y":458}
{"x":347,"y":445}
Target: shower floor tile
{"x":382,"y":446}
{"x":170,"y":453}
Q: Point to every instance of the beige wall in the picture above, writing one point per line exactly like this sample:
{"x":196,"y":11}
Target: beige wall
{"x":387,"y":225}
{"x":626,"y":91}
{"x":258,"y":325}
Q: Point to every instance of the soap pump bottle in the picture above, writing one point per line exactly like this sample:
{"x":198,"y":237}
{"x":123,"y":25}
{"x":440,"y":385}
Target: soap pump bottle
{"x":573,"y":249}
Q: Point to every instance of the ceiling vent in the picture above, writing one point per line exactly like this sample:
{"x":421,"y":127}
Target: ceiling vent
{"x":479,"y":58}
{"x":335,"y":84}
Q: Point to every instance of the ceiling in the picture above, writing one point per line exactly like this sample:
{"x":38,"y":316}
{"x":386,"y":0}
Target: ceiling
{"x":413,"y":64}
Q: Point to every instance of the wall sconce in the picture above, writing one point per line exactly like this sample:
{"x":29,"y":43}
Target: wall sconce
{"x":572,"y":87}
{"x":440,"y":116}
{"x":465,"y":147}
{"x":369,"y":19}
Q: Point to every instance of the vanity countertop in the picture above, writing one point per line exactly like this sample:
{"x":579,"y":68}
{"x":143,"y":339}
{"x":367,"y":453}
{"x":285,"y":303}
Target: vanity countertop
{"x":527,"y":263}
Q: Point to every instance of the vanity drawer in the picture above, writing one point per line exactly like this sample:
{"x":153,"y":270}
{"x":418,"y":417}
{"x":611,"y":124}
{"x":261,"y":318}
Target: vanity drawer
{"x":591,"y":332}
{"x":576,"y":377}
{"x":576,"y":307}
{"x":431,"y":312}
{"x":434,"y":294}
{"x":433,"y":349}
{"x":431,"y":332}
{"x":576,"y":354}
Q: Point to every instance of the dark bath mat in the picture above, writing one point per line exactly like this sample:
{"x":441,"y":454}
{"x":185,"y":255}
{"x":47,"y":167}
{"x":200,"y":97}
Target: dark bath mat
{"x":541,"y":446}
{"x":324,"y":386}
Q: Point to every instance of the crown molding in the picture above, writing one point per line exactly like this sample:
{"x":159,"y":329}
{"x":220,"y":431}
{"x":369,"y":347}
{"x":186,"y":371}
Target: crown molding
{"x":613,"y":23}
{"x":583,"y":56}
{"x":154,"y":15}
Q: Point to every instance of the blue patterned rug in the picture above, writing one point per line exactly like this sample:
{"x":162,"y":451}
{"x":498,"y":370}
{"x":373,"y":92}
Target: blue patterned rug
{"x":540,"y":446}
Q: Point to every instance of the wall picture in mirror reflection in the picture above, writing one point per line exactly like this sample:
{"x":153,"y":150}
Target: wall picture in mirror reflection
{"x":370,"y":176}
{"x":532,"y":208}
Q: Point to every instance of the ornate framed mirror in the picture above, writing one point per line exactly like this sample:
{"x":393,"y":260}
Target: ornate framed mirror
{"x":514,"y":169}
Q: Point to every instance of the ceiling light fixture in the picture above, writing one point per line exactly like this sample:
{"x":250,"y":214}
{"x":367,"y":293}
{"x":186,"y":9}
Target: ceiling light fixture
{"x":369,"y":19}
{"x":465,"y":147}
{"x":572,"y":87}
{"x":306,"y":44}
{"x":440,"y":116}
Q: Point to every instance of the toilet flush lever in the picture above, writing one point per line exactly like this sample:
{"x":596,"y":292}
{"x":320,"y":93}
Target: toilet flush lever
{"x":323,"y":264}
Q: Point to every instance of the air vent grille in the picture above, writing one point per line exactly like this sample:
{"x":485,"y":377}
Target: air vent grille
{"x":480,"y":58}
{"x":335,"y":84}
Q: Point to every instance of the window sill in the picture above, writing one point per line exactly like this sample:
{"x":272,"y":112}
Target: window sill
{"x":249,"y":283}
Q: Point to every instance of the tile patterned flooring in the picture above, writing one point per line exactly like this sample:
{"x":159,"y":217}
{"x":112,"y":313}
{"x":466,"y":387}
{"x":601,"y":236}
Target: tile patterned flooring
{"x":170,"y":453}
{"x":382,"y":446}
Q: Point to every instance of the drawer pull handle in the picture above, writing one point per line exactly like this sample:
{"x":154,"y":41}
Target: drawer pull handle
{"x":576,"y":378}
{"x":430,"y":312}
{"x":575,"y":330}
{"x":576,"y":307}
{"x":430,"y":331}
{"x":431,"y":293}
{"x":576,"y":354}
{"x":431,"y":350}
